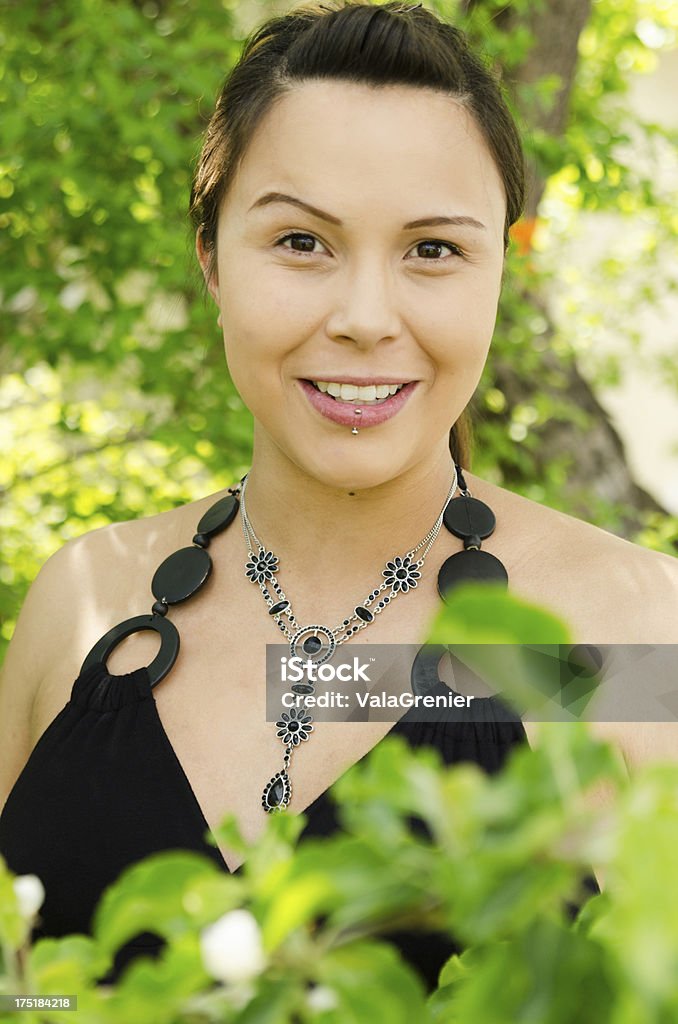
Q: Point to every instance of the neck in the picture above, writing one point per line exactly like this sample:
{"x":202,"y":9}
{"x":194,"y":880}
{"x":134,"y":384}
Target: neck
{"x":336,"y":536}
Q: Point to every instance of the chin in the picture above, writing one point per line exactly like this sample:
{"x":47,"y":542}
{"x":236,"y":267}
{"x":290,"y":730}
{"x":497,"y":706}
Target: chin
{"x":348,"y":471}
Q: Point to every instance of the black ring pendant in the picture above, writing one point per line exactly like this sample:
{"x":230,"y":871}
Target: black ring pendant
{"x":177,"y":578}
{"x":181,"y":574}
{"x":424,"y":672}
{"x":164,"y":659}
{"x":468,"y":567}
{"x":468,"y":517}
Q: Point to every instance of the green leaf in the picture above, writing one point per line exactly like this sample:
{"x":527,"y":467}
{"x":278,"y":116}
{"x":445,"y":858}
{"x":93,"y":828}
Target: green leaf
{"x":14,"y":929}
{"x":485,"y":613}
{"x":539,"y":976}
{"x":154,"y":895}
{"x":372,"y":983}
{"x":156,"y":989}
{"x":67,"y":964}
{"x":294,"y":904}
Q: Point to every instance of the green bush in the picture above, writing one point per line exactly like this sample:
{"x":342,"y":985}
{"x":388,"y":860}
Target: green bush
{"x":505,"y":856}
{"x":302,"y":933}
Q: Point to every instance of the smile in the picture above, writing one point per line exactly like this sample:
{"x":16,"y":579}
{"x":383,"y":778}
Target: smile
{"x":367,"y":394}
{"x":363,"y":405}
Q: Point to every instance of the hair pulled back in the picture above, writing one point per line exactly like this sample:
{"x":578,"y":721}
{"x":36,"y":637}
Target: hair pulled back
{"x":389,"y":44}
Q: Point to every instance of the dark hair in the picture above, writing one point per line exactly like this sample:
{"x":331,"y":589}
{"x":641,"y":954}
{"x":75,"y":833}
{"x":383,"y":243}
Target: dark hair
{"x":390,"y":44}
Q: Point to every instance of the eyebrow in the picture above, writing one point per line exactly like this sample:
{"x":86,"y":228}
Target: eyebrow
{"x":424,"y":222}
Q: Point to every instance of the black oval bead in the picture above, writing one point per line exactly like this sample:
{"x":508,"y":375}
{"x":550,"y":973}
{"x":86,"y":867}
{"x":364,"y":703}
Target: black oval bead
{"x":470,"y":566}
{"x":466,"y":516}
{"x":302,"y":688}
{"x":280,"y":606}
{"x":181,"y":574}
{"x":202,"y":540}
{"x":159,"y":608}
{"x":219,"y":516}
{"x":364,"y":613}
{"x":312,"y":645}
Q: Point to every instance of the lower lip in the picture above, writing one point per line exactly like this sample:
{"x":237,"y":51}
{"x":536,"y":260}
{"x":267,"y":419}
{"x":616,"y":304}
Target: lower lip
{"x":345,"y":413}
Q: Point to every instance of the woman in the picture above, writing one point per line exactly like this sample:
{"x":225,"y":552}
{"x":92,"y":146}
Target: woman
{"x":352,"y":204}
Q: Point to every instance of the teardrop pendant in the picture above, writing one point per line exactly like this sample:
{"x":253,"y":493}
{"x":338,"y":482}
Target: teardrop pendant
{"x":277,"y":793}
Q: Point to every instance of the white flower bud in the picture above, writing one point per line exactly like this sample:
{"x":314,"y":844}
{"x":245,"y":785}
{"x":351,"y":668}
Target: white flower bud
{"x":231,"y":948}
{"x":321,"y":998}
{"x":30,"y":893}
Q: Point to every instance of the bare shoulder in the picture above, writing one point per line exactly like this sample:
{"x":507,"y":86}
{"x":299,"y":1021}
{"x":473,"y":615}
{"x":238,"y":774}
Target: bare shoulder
{"x":103,"y":553}
{"x":44,"y":628}
{"x":609,"y":589}
{"x":88,"y":585}
{"x":109,"y":570}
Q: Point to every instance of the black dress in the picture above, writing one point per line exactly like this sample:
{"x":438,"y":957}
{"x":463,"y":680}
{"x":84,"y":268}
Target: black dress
{"x":103,"y":788}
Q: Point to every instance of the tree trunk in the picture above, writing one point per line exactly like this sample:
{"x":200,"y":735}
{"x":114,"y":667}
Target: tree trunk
{"x":600,"y":466}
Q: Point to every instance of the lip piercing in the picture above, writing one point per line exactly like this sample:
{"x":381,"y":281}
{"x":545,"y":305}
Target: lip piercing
{"x":357,"y":412}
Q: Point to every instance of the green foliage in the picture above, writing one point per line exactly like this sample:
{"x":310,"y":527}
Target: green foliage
{"x":497,"y":863}
{"x":503,"y":858}
{"x":152,"y":899}
{"x":574,"y":971}
{"x":482,"y":613}
{"x":607,"y":160}
{"x":115,"y":399}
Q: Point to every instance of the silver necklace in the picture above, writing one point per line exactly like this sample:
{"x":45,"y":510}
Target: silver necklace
{"x":318,"y":643}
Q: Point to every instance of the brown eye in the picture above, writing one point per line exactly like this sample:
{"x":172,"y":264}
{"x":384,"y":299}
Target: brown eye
{"x":308,"y":241}
{"x":430,"y":245}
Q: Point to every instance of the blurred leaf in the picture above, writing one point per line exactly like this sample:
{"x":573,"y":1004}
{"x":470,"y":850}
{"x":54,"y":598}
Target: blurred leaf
{"x":154,"y":895}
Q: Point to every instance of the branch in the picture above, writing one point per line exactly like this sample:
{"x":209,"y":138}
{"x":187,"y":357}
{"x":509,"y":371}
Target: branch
{"x":130,"y":438}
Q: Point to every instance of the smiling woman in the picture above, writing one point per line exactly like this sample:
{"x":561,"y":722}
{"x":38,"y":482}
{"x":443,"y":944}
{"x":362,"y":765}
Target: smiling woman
{"x":365,"y":298}
{"x":352,"y":205}
{"x":326,"y":96}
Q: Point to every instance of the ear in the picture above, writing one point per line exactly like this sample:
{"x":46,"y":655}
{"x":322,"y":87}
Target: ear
{"x":203,"y":259}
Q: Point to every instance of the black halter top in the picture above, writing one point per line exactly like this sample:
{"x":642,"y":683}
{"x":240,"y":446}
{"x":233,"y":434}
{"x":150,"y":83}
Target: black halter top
{"x":103,"y":788}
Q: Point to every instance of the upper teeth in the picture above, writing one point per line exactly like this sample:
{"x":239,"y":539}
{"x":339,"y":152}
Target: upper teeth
{"x":351,"y":392}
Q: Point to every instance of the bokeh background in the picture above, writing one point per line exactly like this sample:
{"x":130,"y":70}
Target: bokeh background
{"x":115,"y":401}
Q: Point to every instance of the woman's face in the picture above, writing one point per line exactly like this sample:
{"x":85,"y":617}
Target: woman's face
{"x":358,"y":292}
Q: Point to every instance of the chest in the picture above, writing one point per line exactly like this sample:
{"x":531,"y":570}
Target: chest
{"x":212,"y":705}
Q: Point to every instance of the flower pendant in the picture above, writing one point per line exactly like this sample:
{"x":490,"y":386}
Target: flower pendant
{"x":295,"y":727}
{"x":262,"y":567}
{"x":400,"y":574}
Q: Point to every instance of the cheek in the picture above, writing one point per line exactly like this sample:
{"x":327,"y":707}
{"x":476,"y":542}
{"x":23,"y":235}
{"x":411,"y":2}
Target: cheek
{"x":463,"y":326}
{"x":248,"y":360}
{"x":256,"y":342}
{"x":256,"y":301}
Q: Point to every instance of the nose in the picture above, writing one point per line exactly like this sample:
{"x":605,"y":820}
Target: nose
{"x":365,"y":309}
